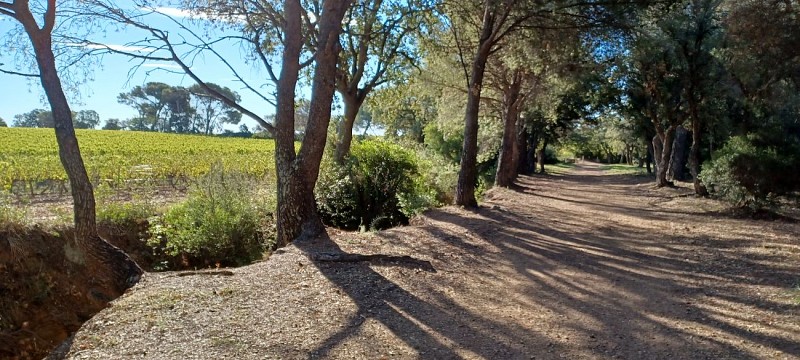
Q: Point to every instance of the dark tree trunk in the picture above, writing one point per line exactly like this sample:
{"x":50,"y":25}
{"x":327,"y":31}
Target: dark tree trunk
{"x":111,"y":265}
{"x":352,"y":104}
{"x":467,"y":176}
{"x":680,"y":155}
{"x":666,"y":154}
{"x":694,"y":152}
{"x":506,"y":164}
{"x":650,"y":156}
{"x":530,"y":158}
{"x":522,"y":149}
{"x":297,"y":174}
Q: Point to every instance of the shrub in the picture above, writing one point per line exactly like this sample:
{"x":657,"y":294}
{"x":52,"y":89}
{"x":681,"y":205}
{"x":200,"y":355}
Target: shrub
{"x":438,"y":176}
{"x":222,"y":221}
{"x":378,"y":187}
{"x":127,"y":213}
{"x":750,"y":174}
{"x":550,"y":156}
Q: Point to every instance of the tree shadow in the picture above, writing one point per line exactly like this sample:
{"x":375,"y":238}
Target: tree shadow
{"x":430,"y":327}
{"x":657,"y":297}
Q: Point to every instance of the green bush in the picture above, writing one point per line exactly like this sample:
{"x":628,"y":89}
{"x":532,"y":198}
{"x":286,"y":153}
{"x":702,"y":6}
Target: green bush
{"x":750,"y":174}
{"x":378,"y":187}
{"x":438,"y":175}
{"x":222,"y":221}
{"x":127,"y":213}
{"x":550,"y":156}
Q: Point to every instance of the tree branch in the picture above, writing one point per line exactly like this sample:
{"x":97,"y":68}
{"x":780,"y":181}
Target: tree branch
{"x":10,"y":72}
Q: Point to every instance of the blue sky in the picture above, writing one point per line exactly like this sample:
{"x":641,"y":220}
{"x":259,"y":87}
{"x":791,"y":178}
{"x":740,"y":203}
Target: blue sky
{"x":112,"y":78}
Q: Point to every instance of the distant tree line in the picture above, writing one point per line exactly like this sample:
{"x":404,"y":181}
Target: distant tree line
{"x":177,"y":109}
{"x":161,"y":107}
{"x":41,"y":118}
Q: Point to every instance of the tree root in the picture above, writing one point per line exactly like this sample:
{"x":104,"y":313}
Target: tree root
{"x":381,"y":258}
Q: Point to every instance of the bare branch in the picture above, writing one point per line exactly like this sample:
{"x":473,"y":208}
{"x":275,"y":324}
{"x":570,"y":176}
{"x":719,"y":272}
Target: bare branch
{"x":10,"y":72}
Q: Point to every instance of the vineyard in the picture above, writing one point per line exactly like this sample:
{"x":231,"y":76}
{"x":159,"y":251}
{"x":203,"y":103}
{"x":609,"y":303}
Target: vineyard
{"x":29,"y":161}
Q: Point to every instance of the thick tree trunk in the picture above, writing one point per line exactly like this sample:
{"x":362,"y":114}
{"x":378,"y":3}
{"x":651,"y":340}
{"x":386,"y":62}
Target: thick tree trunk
{"x":680,"y":155}
{"x":506,"y":166}
{"x":658,"y":146}
{"x":467,"y":176}
{"x":297,"y":175}
{"x":111,"y":265}
{"x":694,"y":152}
{"x":666,"y":155}
{"x":352,"y":104}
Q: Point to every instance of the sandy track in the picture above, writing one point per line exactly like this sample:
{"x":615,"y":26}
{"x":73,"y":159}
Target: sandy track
{"x":578,"y":266}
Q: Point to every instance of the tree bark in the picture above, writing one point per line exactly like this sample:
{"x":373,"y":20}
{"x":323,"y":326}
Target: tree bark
{"x":666,"y":155}
{"x":694,"y":152}
{"x":650,"y":156}
{"x":506,"y":164}
{"x":521,"y":148}
{"x":530,"y":156}
{"x":111,"y":265}
{"x":352,"y":104}
{"x":680,"y":155}
{"x":292,"y":208}
{"x":467,"y":176}
{"x":297,"y":173}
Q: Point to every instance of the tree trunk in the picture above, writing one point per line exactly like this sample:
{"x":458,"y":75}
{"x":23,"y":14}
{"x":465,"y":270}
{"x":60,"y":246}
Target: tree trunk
{"x":111,"y":265}
{"x":666,"y":155}
{"x":530,"y":158}
{"x":540,"y":157}
{"x":297,"y":175}
{"x":506,"y":166}
{"x":650,"y":156}
{"x":352,"y":104}
{"x":694,"y":152}
{"x":521,"y":148}
{"x":680,"y":155}
{"x":467,"y":176}
{"x":658,"y":146}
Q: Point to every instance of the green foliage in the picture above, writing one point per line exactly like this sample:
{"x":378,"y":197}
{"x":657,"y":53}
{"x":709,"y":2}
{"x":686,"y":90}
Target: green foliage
{"x":749,"y":173}
{"x":111,"y":210}
{"x":439,"y":173}
{"x":124,"y":213}
{"x":378,"y":186}
{"x":447,"y":146}
{"x":222,"y":221}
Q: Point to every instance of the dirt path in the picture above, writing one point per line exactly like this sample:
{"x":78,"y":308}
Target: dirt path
{"x":578,"y":266}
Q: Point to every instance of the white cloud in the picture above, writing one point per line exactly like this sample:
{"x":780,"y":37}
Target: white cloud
{"x":175,"y":12}
{"x":161,"y":65}
{"x":114,"y":47}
